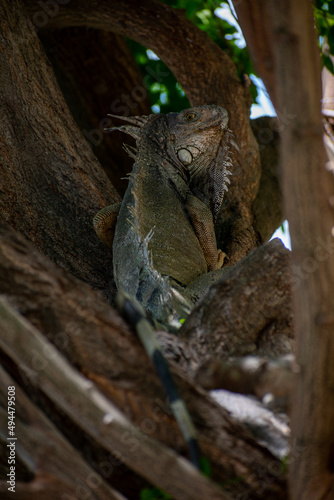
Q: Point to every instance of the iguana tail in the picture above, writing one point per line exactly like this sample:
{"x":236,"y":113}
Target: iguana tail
{"x":135,"y":315}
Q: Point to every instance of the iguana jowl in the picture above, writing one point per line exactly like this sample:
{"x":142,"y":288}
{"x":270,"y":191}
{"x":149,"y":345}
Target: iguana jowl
{"x":164,"y":245}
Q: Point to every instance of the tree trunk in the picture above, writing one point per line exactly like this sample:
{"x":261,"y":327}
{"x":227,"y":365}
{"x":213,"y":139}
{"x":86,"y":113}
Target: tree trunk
{"x":98,"y":75}
{"x":308,"y":195}
{"x":230,"y":310}
{"x":51,"y":184}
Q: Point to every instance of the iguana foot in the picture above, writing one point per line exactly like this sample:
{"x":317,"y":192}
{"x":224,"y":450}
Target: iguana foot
{"x":104,"y":223}
{"x":221,"y":258}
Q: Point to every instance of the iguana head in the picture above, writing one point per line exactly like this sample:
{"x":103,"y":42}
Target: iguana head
{"x":200,"y":138}
{"x":195,"y":142}
{"x":195,"y":131}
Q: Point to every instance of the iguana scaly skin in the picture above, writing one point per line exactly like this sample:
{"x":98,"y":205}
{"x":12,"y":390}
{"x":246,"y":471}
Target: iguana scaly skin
{"x":162,"y":234}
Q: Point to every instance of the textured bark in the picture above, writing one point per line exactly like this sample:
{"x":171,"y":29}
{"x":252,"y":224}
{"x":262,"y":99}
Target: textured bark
{"x":308,"y":193}
{"x":38,"y":438}
{"x":51,"y":184}
{"x":91,"y":335}
{"x":98,"y":75}
{"x":94,"y":416}
{"x":231,"y":312}
{"x":268,"y":204}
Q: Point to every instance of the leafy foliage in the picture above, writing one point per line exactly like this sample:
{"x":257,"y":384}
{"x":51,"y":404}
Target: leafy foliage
{"x":165,"y":92}
{"x":205,"y":467}
{"x":324,"y":18}
{"x":203,"y":14}
{"x":153,"y":494}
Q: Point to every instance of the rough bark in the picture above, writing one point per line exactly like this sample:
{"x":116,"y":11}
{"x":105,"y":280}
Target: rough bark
{"x":98,"y":75}
{"x":51,"y":184}
{"x":38,"y":438}
{"x":91,"y":414}
{"x":91,"y":335}
{"x":308,"y":193}
{"x":231,"y":312}
{"x":267,"y":207}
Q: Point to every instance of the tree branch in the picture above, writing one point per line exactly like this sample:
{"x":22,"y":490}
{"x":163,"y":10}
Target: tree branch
{"x":65,"y":472}
{"x":87,"y":331}
{"x":92,"y":414}
{"x":51,"y":184}
{"x":247,"y":311}
{"x":268,"y":204}
{"x":96,"y":81}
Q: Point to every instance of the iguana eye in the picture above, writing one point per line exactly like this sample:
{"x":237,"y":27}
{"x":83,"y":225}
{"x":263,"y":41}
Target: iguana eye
{"x":190,"y":117}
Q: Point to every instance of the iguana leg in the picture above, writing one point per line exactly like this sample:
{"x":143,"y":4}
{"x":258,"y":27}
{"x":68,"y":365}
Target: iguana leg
{"x":200,"y":285}
{"x":202,"y":221}
{"x":221,"y":258}
{"x":104,"y":223}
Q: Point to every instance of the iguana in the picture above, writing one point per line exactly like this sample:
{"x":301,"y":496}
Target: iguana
{"x":162,"y":234}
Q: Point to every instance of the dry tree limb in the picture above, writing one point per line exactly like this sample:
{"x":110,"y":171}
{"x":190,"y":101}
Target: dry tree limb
{"x":308,"y":198}
{"x":92,"y":414}
{"x":250,"y":375}
{"x":64,"y":474}
{"x":90,"y":334}
{"x":248,"y":311}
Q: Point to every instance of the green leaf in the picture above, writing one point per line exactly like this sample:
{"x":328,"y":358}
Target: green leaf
{"x":285,"y":464}
{"x":205,"y":467}
{"x":330,"y":39}
{"x":153,"y":494}
{"x":328,"y":63}
{"x":170,"y":97}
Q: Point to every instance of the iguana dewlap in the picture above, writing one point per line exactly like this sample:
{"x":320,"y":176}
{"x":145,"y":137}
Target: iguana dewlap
{"x":162,"y":234}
